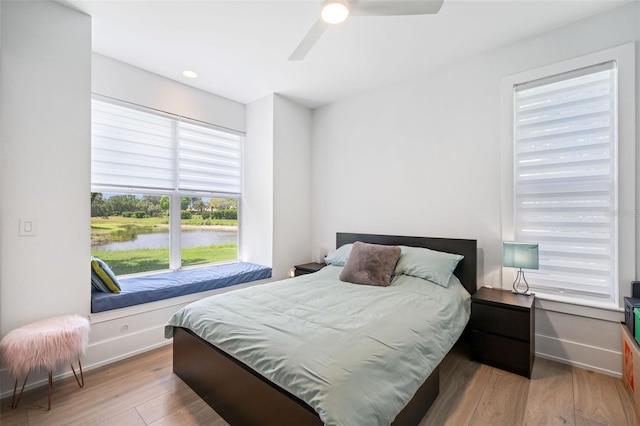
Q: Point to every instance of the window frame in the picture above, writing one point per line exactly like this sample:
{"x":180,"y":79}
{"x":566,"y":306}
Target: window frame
{"x":175,"y":194}
{"x":626,"y":212}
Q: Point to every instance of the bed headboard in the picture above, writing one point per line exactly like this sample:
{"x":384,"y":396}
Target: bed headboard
{"x":466,"y":271}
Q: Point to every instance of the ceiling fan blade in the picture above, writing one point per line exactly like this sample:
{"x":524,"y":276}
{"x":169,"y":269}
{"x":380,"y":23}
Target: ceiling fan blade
{"x":309,"y":40}
{"x":399,"y":7}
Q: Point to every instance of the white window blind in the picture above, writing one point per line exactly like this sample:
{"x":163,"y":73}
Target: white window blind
{"x":131,"y":148}
{"x":565,"y":132}
{"x":208,"y":159}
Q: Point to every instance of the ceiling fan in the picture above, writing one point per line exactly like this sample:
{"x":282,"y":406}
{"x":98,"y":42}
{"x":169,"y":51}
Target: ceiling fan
{"x":336,"y":11}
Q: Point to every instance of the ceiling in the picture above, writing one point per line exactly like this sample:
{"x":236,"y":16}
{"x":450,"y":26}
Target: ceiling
{"x":240,"y":48}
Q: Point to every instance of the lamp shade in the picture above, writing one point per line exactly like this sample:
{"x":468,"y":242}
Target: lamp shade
{"x":520,"y":255}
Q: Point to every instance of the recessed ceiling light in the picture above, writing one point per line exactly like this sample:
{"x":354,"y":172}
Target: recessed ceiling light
{"x":189,"y":74}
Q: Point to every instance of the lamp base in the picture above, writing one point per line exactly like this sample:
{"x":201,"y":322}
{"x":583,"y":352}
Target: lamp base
{"x":518,"y":282}
{"x":528,"y":293}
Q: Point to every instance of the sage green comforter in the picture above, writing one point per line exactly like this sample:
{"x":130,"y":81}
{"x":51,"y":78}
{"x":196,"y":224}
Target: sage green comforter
{"x":355,"y":353}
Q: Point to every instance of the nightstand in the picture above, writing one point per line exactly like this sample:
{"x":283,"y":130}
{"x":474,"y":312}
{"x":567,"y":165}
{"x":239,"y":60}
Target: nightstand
{"x":308,"y":268}
{"x":503,"y":330}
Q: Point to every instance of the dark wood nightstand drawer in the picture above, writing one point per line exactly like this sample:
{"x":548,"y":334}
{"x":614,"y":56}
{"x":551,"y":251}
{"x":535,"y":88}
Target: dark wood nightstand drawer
{"x":503,"y":321}
{"x":501,"y":352}
{"x":503,"y":329}
{"x":308,"y":268}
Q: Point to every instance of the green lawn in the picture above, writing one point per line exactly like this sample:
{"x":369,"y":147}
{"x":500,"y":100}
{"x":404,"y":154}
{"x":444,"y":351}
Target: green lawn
{"x":143,"y":260}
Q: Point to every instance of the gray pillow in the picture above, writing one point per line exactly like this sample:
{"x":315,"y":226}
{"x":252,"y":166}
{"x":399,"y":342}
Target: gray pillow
{"x":340,"y":256}
{"x":370,"y":264}
{"x":430,"y":265}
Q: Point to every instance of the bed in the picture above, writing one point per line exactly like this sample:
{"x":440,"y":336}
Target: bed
{"x":243,"y":396}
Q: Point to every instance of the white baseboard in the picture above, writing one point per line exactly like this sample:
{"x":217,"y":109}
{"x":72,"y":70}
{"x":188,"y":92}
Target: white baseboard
{"x":592,"y":358}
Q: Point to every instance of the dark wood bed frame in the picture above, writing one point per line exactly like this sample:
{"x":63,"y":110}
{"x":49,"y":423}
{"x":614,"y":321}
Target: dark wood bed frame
{"x":243,"y":397}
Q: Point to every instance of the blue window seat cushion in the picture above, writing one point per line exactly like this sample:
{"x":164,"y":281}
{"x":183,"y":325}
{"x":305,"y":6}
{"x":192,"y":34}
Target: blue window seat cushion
{"x":138,"y":290}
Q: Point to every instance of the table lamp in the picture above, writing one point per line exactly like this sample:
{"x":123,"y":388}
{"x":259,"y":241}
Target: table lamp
{"x":520,"y":255}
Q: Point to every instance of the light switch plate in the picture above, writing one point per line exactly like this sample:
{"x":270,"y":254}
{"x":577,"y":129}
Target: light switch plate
{"x":27,"y":227}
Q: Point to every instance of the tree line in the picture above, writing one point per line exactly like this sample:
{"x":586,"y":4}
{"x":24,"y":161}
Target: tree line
{"x":155,"y":205}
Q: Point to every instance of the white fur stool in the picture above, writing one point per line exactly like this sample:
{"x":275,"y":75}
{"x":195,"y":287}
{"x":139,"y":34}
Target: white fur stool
{"x":45,"y":343}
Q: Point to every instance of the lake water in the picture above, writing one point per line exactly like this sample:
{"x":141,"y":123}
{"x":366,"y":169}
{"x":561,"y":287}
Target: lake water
{"x":190,"y":238}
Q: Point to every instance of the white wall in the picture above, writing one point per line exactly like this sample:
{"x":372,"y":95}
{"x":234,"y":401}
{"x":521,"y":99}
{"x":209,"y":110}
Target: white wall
{"x":45,"y":80}
{"x":423,"y":157}
{"x":276,"y":200}
{"x":46,"y":90}
{"x":125,"y":82}
{"x":292,"y":186}
{"x":257,"y":200}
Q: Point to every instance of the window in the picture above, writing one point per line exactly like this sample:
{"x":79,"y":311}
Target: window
{"x":130,"y":231}
{"x":165,"y":190}
{"x":565,"y":187}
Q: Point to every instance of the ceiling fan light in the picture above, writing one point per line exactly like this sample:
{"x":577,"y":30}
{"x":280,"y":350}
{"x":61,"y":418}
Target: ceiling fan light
{"x":334,"y":12}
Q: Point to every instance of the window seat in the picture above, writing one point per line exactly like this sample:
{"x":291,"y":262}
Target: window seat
{"x":138,"y":290}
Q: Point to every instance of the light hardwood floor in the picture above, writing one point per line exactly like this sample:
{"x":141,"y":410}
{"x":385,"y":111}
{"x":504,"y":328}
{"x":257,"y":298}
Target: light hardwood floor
{"x":144,"y":391}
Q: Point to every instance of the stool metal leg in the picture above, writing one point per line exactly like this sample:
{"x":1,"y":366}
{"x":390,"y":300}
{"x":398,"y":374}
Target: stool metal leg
{"x":49,"y":391}
{"x":80,"y":383}
{"x":14,"y":403}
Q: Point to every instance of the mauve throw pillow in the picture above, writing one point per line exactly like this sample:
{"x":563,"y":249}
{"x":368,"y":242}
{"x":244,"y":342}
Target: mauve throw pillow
{"x":370,"y":264}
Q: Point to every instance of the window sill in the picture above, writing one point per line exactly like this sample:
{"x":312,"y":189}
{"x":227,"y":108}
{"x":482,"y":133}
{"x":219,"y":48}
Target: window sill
{"x":565,"y":305}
